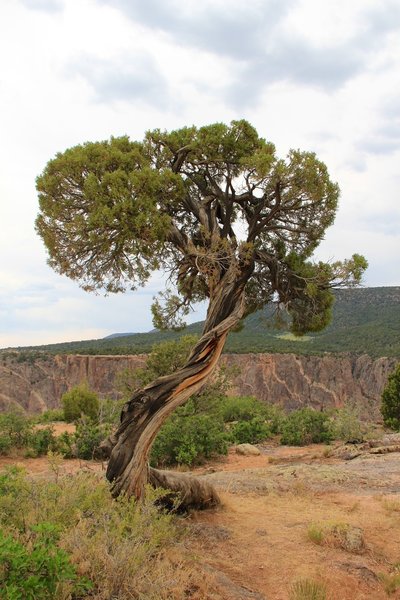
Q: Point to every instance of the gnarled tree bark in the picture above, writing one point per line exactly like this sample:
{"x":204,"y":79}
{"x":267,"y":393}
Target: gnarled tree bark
{"x":143,"y":415}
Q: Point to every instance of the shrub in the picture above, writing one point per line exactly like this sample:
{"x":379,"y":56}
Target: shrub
{"x":315,"y":534}
{"x":51,"y":415}
{"x":246,"y":408}
{"x":307,"y":589}
{"x":65,"y":445}
{"x":41,"y":441}
{"x":390,"y":582}
{"x":80,"y":401}
{"x":15,"y":426}
{"x":390,"y":407}
{"x":38,"y":570}
{"x":250,"y":432}
{"x":88,"y":436}
{"x":189,"y":437}
{"x":242,"y":408}
{"x":346,"y":425}
{"x":110,"y":410}
{"x":306,"y":426}
{"x":5,"y":443}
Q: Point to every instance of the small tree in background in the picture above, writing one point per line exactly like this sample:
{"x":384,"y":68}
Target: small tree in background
{"x":80,"y":401}
{"x":390,"y":407}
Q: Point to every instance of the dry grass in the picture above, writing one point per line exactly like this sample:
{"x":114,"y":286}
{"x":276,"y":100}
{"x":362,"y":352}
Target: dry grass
{"x":307,"y":589}
{"x":128,"y":551}
{"x":391,"y":505}
{"x":337,"y":535}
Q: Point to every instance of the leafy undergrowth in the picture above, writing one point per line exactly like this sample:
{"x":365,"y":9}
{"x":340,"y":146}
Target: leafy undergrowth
{"x":67,"y":538}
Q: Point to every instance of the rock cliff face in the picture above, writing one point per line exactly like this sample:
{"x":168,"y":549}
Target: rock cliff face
{"x":286,"y":379}
{"x":320,"y":382}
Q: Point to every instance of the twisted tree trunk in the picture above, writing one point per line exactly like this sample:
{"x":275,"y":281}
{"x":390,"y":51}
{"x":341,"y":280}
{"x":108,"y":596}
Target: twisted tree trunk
{"x":143,"y":415}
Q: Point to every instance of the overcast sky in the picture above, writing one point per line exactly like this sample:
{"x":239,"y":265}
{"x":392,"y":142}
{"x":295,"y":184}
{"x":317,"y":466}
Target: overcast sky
{"x":320,"y":76}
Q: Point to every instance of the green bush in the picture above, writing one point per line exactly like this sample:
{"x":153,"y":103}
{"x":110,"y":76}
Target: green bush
{"x":15,"y":426}
{"x":65,"y":445}
{"x":110,"y":410}
{"x":189,"y":437}
{"x":37,"y":570}
{"x":41,"y":441}
{"x":250,"y":432}
{"x":346,"y":425}
{"x":242,"y":408}
{"x":51,"y":415}
{"x":80,"y":401}
{"x":5,"y":443}
{"x":306,"y":426}
{"x":246,"y":408}
{"x":88,"y":436}
{"x":390,"y":407}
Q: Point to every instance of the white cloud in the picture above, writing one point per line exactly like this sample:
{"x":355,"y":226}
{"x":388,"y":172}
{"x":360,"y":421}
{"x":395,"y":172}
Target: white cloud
{"x":311,"y":75}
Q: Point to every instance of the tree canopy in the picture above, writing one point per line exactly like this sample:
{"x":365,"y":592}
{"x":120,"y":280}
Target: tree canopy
{"x":226,"y":219}
{"x":196,"y":203}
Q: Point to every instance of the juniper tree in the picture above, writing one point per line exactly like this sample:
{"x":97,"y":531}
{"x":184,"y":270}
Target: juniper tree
{"x":223,"y":216}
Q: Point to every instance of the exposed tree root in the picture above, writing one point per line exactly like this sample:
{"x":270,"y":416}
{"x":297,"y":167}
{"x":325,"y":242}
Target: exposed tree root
{"x":189,"y":492}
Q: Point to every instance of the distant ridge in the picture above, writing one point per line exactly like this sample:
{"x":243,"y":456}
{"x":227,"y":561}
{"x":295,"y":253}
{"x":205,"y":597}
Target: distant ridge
{"x":117,"y":335}
{"x":365,"y":321}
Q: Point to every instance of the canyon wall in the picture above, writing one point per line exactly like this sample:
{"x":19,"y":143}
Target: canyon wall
{"x":285,"y":379}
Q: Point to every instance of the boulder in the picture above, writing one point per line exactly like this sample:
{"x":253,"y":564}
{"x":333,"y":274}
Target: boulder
{"x":247,"y":450}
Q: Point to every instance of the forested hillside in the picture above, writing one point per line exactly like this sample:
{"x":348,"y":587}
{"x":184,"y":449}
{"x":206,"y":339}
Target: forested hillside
{"x":365,"y":321}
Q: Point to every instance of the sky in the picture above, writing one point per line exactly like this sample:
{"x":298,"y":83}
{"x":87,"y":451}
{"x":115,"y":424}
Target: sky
{"x":319,"y":76}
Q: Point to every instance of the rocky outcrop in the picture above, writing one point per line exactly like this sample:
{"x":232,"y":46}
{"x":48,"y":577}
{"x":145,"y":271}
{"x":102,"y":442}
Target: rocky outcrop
{"x":39,"y":385}
{"x":285,"y":379}
{"x":317,"y":381}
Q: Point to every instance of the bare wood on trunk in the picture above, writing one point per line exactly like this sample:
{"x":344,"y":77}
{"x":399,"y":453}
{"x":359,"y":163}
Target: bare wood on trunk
{"x":144,"y":414}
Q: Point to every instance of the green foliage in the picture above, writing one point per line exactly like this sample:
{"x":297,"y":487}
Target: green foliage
{"x":5,"y":444}
{"x":111,"y":212}
{"x":39,"y":570}
{"x":250,"y":431}
{"x":242,"y":408}
{"x":164,"y":358}
{"x":80,"y":401}
{"x":16,"y":428}
{"x":116,"y":185}
{"x":17,"y":432}
{"x":41,"y":441}
{"x":306,"y":426}
{"x":88,"y":436}
{"x":346,"y":425}
{"x":29,"y":356}
{"x":189,"y":437}
{"x":65,"y":445}
{"x":390,"y":406}
{"x":109,"y":411}
{"x":53,"y":529}
{"x":51,"y":415}
{"x":168,"y":357}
